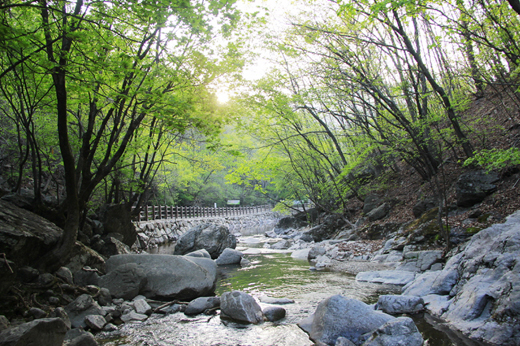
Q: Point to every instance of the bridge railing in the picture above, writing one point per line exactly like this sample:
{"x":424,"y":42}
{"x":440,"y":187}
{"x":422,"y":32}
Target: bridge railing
{"x":161,"y":212}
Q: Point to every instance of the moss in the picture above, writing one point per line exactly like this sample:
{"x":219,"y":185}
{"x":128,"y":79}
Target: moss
{"x":426,"y":217}
{"x":483,"y":218}
{"x":473,"y":230}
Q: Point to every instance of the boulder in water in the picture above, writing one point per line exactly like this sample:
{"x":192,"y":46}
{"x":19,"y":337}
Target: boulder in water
{"x":241,"y":307}
{"x":213,"y":238}
{"x":340,"y":316}
{"x":229,"y":256}
{"x":202,"y":304}
{"x":168,"y":276}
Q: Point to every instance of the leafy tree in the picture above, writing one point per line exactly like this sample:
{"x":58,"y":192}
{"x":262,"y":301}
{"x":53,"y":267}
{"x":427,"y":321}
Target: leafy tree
{"x":113,"y":68}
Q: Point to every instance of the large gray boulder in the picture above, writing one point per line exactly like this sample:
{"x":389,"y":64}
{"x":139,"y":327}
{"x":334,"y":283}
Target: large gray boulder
{"x":240,"y":306}
{"x":41,"y":332}
{"x":124,"y":281}
{"x":473,"y":187}
{"x":170,"y":277}
{"x":379,"y":212}
{"x":401,"y":331}
{"x":213,"y":238}
{"x":80,"y":308}
{"x":340,"y":316}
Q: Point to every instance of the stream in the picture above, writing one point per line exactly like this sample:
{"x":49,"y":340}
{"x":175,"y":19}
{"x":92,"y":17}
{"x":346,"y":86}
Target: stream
{"x":273,"y":274}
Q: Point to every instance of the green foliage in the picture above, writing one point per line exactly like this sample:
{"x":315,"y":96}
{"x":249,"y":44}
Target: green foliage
{"x":495,"y":159}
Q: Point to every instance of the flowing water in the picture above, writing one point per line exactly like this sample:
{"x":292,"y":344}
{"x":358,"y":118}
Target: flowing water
{"x":272,"y":274}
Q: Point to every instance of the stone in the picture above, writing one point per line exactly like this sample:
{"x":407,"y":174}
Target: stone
{"x":316,"y":251}
{"x":281,"y":245}
{"x":271,"y":234}
{"x":113,"y":246}
{"x":83,"y":256}
{"x":171,"y":277}
{"x":25,"y":237}
{"x":391,"y":277}
{"x":4,"y":323}
{"x":133,"y":316}
{"x":473,"y":187}
{"x":124,"y":281}
{"x":95,"y":322}
{"x":341,"y":341}
{"x":288,"y":222}
{"x":109,"y":327}
{"x":481,"y":285}
{"x":229,"y":256}
{"x":201,"y":304}
{"x":37,"y":313}
{"x":142,"y":307}
{"x":104,"y":298}
{"x":277,"y":301}
{"x":240,"y":306}
{"x":401,"y":331}
{"x":40,"y":332}
{"x":45,"y":280}
{"x":379,"y":212}
{"x":274,"y":313}
{"x":61,"y":313}
{"x":371,"y":202}
{"x":423,"y":206}
{"x":322,"y":262}
{"x":419,"y":261}
{"x":199,"y":253}
{"x":117,"y":218}
{"x":28,"y":274}
{"x":81,"y":307}
{"x":436,"y":305}
{"x":79,"y":337}
{"x":214,"y":238}
{"x":394,"y":304}
{"x":435,"y":282}
{"x":86,"y":277}
{"x":65,"y":274}
{"x":302,"y":254}
{"x":340,"y":316}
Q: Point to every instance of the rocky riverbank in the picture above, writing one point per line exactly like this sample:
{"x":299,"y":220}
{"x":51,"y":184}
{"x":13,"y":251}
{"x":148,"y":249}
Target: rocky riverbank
{"x":475,"y":288}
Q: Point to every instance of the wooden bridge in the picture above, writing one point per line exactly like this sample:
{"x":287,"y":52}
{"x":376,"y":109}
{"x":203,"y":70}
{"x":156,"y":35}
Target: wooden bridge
{"x":161,"y":212}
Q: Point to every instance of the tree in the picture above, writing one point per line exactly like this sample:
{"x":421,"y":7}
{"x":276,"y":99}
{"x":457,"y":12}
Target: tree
{"x":112,"y":66}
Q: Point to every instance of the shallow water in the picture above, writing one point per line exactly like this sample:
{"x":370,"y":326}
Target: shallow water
{"x":270,"y":274}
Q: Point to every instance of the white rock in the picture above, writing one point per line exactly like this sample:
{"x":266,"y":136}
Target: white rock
{"x":391,"y":277}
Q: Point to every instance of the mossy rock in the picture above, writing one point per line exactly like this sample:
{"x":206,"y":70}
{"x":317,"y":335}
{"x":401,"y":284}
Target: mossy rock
{"x":376,"y":231}
{"x":427,"y":216}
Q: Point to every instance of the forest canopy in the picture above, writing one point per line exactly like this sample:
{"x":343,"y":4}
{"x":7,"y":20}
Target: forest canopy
{"x":115,"y":102}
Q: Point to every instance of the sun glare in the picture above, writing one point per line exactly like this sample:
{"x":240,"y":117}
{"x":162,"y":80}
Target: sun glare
{"x":222,"y":96}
